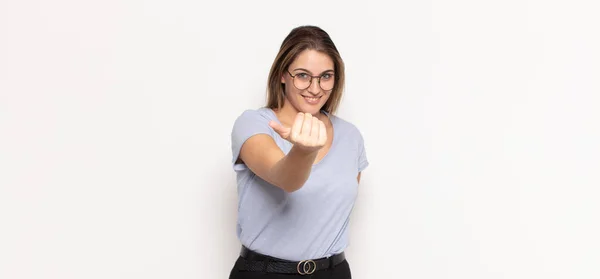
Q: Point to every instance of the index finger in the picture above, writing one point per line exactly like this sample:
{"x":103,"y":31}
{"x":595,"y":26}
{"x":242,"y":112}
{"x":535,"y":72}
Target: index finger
{"x":297,"y":127}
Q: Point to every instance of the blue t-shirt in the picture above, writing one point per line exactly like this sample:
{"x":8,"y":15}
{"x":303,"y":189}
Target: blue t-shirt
{"x":311,"y":222}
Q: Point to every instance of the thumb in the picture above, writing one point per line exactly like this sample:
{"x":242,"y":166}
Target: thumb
{"x":284,"y":132}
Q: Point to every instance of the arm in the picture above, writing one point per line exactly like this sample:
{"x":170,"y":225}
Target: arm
{"x":358,"y":177}
{"x":288,"y":172}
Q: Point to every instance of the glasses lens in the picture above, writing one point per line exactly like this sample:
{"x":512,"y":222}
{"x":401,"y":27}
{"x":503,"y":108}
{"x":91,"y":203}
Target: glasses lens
{"x":327,"y":81}
{"x":302,"y":81}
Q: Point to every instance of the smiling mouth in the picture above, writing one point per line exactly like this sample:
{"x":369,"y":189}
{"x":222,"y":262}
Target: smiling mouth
{"x":311,"y":98}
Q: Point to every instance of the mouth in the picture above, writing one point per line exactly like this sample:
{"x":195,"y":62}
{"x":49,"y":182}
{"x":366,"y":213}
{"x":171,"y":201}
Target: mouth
{"x":311,"y":99}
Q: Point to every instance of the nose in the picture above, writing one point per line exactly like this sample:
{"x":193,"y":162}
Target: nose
{"x":314,"y":87}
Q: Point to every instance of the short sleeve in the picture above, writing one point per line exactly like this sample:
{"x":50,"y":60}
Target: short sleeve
{"x":248,"y":124}
{"x":363,"y":162}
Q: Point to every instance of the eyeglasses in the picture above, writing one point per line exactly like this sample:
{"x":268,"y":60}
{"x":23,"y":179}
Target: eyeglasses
{"x":304,"y":80}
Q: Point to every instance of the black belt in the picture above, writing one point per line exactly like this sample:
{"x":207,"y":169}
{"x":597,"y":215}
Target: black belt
{"x":254,"y":261}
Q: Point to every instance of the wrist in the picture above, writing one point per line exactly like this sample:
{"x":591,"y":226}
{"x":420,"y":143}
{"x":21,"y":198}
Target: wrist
{"x":302,"y":151}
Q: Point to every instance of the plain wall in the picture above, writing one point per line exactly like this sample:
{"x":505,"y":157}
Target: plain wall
{"x":480,"y":119}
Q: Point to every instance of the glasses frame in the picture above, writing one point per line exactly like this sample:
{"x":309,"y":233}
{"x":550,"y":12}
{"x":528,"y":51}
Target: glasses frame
{"x":311,"y":79}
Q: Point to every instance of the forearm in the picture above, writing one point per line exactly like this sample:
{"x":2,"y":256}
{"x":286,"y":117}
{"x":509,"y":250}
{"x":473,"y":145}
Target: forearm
{"x":291,"y":172}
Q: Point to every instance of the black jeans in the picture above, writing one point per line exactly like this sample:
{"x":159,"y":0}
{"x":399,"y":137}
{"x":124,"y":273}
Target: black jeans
{"x":340,"y":271}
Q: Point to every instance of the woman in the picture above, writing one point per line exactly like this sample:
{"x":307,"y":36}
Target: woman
{"x":298,"y":167}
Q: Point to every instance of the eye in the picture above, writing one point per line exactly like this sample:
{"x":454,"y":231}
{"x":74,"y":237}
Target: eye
{"x":326,"y":76}
{"x":303,"y":76}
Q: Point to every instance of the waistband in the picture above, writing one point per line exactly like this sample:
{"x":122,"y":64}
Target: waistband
{"x":254,"y":261}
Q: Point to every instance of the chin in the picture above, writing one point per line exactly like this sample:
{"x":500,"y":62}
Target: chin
{"x":312,"y":111}
{"x":312,"y":108}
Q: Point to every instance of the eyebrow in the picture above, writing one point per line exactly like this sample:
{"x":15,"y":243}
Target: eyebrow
{"x":302,"y":69}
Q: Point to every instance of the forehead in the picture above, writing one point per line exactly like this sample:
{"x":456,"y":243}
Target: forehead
{"x":313,"y":61}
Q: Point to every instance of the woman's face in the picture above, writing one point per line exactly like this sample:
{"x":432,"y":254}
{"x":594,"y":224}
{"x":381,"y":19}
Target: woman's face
{"x":298,"y":93}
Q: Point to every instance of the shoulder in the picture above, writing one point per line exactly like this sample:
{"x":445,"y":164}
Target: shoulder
{"x":248,"y":123}
{"x":258,"y":114}
{"x":345,"y":127}
{"x":251,"y":122}
{"x":253,"y":119}
{"x":352,"y":141}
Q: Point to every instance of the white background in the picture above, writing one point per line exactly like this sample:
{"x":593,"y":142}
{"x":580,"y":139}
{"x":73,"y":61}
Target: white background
{"x":480,"y":118}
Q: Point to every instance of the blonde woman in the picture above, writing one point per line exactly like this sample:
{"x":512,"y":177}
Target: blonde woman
{"x":298,"y":166}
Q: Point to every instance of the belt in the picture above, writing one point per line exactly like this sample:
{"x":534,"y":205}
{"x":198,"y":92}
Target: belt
{"x":254,"y":261}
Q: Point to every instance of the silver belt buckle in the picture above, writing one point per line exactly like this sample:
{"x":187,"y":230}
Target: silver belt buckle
{"x":305,"y":267}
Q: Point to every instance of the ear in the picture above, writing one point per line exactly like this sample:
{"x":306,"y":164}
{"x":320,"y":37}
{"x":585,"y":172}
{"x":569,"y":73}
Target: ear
{"x":282,"y":79}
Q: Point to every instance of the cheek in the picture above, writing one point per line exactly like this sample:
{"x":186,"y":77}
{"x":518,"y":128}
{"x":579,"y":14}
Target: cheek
{"x":291,"y":94}
{"x":290,"y":90}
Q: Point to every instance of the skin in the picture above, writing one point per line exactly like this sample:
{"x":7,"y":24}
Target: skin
{"x":309,"y":130}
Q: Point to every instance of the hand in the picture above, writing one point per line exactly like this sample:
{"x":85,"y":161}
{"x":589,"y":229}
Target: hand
{"x":307,"y":133}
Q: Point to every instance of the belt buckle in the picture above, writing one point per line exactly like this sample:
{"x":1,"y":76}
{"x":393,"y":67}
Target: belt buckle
{"x":305,"y":267}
